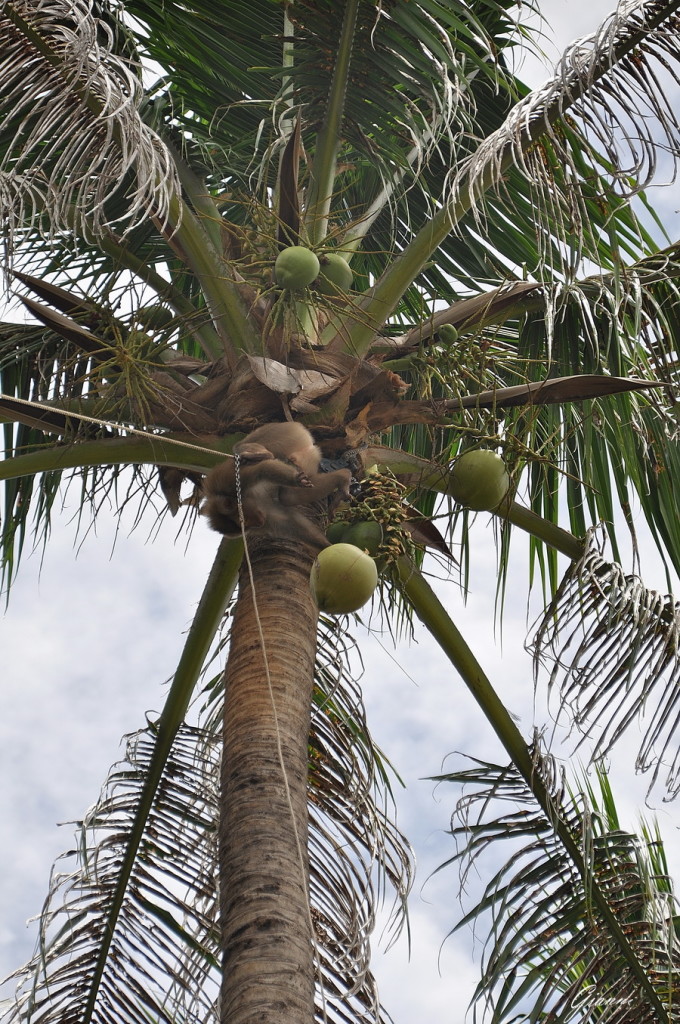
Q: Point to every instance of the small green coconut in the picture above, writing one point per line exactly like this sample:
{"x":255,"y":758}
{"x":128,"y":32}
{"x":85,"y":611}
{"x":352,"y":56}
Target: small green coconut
{"x":335,"y":274}
{"x":366,"y":535}
{"x":447,"y":334}
{"x":479,"y":480}
{"x":154,"y":317}
{"x":343,"y":578}
{"x":296,"y":267}
{"x":336,"y":532}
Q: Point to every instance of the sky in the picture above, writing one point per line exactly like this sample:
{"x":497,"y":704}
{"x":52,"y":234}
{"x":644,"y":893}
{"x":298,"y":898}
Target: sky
{"x":94,"y":629}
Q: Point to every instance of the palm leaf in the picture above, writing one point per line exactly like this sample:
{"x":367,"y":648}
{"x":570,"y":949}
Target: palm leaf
{"x":352,"y":839}
{"x":614,"y":76}
{"x":138,"y":904}
{"x":551,"y":955}
{"x":422,"y":60}
{"x":27,"y":502}
{"x":102,"y":146}
{"x":168,"y":900}
{"x":614,"y":653}
{"x":135,"y":867}
{"x":534,"y":774}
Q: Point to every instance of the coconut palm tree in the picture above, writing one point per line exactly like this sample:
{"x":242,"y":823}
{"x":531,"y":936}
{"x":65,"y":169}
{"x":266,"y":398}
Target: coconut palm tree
{"x":468,"y":271}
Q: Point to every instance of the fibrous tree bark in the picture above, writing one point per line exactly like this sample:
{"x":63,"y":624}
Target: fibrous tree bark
{"x":268,"y":971}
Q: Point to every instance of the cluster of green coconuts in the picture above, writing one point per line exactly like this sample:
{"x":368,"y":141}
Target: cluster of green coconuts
{"x":298,"y":267}
{"x":345,"y":575}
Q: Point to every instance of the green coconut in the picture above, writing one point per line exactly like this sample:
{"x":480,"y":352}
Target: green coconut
{"x":343,"y":578}
{"x":447,"y":334}
{"x":154,"y":317}
{"x":367,"y":535}
{"x":479,"y":480}
{"x":336,"y":532}
{"x":335,"y":274}
{"x":296,"y":267}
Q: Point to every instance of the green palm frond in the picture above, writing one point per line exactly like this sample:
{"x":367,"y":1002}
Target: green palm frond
{"x":112,"y":368}
{"x":436,"y":114}
{"x":551,"y":955}
{"x":120,"y":884}
{"x":626,"y":322}
{"x":613,"y":650}
{"x":600,"y":453}
{"x":423,"y":58}
{"x":34,"y":367}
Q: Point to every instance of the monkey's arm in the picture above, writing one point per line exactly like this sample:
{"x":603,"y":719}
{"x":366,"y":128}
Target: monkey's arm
{"x":321,"y":485}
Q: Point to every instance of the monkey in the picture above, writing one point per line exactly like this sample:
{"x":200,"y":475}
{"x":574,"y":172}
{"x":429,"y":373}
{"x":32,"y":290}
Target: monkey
{"x":279,"y":471}
{"x":290,"y":442}
{"x":261,"y":478}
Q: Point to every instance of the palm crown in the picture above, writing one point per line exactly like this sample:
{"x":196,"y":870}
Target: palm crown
{"x":483,"y":282}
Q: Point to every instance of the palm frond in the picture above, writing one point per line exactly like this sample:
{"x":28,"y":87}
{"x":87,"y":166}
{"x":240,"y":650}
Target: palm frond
{"x":613,"y":648}
{"x":166,"y":925}
{"x":169,"y":902}
{"x":626,"y":321}
{"x":619,"y":77}
{"x":352,"y":842}
{"x":33,"y":367}
{"x":422,"y":59}
{"x":547,"y":142}
{"x":551,"y":955}
{"x":392,"y":175}
{"x":72,"y":137}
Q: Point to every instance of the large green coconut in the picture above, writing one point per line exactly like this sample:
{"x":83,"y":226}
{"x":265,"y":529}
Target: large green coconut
{"x":296,"y":267}
{"x":343,"y":578}
{"x":154,"y":317}
{"x":335,"y":274}
{"x":479,"y":480}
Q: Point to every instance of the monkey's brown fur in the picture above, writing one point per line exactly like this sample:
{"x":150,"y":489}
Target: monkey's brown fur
{"x":279,"y":470}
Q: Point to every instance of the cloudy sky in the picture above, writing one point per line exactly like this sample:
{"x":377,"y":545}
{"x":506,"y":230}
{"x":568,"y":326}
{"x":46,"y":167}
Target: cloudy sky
{"x":94,"y":629}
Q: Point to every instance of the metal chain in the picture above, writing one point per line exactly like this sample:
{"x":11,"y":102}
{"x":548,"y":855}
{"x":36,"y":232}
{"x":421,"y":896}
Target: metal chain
{"x":239,"y":501}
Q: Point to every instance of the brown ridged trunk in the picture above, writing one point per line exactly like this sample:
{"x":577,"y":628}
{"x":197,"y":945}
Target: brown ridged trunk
{"x":268,"y":969}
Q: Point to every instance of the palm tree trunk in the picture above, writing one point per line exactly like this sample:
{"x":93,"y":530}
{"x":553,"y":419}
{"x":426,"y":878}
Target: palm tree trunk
{"x":268,"y":967}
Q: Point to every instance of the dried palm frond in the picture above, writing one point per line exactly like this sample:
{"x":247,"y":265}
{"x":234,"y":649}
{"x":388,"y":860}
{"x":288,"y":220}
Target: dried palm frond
{"x":609,"y":96}
{"x":167,"y":922}
{"x":72,"y":136}
{"x":553,"y":955}
{"x":614,"y":650}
